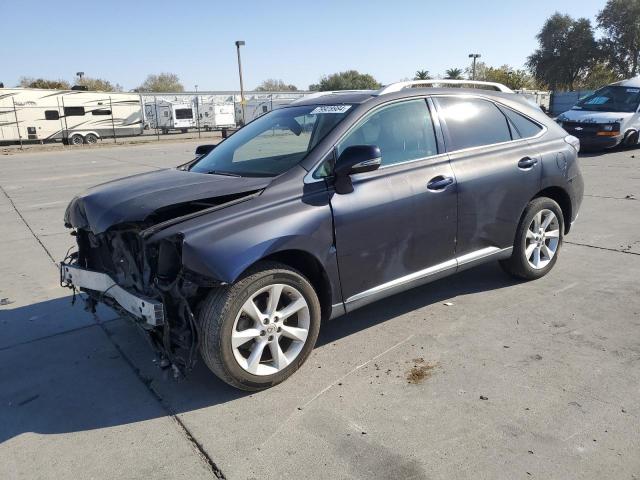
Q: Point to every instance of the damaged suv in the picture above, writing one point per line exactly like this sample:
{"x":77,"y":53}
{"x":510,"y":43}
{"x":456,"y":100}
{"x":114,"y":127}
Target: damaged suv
{"x":316,"y":209}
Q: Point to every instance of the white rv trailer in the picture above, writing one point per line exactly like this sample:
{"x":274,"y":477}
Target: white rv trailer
{"x":169,"y":115}
{"x":73,"y":116}
{"x":258,"y":104}
{"x":214,"y":116}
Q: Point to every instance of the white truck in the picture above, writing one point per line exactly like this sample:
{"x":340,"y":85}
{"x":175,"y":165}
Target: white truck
{"x":73,"y":116}
{"x":608,"y":117}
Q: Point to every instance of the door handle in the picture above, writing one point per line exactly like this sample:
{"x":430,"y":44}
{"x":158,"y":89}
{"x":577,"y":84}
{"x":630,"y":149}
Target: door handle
{"x":439,"y":183}
{"x":526,"y":163}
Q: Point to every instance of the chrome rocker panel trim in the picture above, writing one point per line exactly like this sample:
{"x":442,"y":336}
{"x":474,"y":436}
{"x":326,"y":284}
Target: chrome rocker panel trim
{"x":425,"y":276}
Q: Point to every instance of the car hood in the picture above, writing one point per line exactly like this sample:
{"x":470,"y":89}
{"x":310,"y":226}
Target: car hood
{"x":155,"y":197}
{"x":587,"y":116}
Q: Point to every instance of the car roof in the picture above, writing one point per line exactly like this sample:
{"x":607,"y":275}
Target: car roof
{"x":631,"y":82}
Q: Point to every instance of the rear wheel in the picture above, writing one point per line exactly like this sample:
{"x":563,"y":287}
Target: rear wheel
{"x":76,"y":139}
{"x":260,"y":330}
{"x":538,"y":240}
{"x":91,"y":138}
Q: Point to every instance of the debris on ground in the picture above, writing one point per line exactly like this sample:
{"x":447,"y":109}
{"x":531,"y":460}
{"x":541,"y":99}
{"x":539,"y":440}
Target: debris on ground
{"x":482,"y":397}
{"x":420,"y":371}
{"x":448,"y":304}
{"x":631,"y":196}
{"x":5,"y":301}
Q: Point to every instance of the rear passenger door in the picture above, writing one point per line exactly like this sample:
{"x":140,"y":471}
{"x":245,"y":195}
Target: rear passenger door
{"x":496,"y":170}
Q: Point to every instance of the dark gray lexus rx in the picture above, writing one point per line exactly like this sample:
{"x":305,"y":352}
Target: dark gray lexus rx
{"x":316,"y":209}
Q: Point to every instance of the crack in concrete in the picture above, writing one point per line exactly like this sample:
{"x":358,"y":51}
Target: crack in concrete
{"x":602,"y":248}
{"x":13,"y":205}
{"x":147,"y":382}
{"x":632,"y":197}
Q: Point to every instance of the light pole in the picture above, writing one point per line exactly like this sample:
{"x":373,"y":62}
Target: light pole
{"x":473,"y":70}
{"x":239,"y":44}
{"x":80,"y":75}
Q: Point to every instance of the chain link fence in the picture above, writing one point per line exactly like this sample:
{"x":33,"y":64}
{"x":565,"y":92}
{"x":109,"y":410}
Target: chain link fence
{"x":80,"y":117}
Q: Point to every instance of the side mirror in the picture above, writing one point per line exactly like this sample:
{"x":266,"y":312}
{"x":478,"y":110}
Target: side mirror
{"x":204,"y":149}
{"x":355,"y":159}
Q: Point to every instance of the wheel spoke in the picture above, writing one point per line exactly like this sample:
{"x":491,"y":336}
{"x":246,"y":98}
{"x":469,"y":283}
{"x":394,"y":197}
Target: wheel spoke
{"x":292,"y":308}
{"x":242,"y":337}
{"x":546,"y":251}
{"x":552,"y":234}
{"x":295,"y":333}
{"x":274,"y":297}
{"x":536,"y":256}
{"x":531,"y":235}
{"x":548,"y":219}
{"x":279,"y":358}
{"x":253,"y":362}
{"x":536,"y":221}
{"x":251,"y":309}
{"x":530,"y":250}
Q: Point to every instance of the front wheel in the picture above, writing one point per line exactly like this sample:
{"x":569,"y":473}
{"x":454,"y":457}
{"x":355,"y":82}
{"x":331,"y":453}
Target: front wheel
{"x":260,"y":330}
{"x":538,"y":240}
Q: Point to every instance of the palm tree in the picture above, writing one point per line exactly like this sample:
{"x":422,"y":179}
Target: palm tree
{"x":422,"y":75}
{"x":454,"y":74}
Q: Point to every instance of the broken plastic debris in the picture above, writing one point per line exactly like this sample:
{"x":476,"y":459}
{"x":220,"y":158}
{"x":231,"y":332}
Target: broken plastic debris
{"x":448,"y":304}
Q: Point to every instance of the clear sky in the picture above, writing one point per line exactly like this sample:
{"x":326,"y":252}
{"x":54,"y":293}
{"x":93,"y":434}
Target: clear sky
{"x":123,"y":41}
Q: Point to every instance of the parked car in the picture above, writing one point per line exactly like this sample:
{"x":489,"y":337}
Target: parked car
{"x":608,"y":117}
{"x":318,"y":208}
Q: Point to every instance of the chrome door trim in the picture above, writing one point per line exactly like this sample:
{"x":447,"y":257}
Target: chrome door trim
{"x":424,"y":276}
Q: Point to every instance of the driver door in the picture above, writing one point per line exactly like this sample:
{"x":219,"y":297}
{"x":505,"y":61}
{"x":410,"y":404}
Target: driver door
{"x":397,"y":228}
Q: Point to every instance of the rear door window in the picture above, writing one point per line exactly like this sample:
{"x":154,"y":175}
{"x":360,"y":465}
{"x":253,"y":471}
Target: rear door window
{"x":472,"y":122}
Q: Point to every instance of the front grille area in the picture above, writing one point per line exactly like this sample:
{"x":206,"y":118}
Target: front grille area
{"x":583,"y":129}
{"x":119,"y":254}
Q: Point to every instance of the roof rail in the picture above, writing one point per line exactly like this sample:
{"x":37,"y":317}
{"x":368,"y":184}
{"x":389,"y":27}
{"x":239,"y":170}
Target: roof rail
{"x":322,"y":94}
{"x":396,"y":87}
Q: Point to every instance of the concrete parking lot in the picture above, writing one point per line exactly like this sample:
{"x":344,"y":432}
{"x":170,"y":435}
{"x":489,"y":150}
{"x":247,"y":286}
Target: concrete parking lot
{"x":474,"y":376}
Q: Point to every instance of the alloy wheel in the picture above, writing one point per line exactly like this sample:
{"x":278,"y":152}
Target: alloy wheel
{"x":543,"y":239}
{"x":271,"y":329}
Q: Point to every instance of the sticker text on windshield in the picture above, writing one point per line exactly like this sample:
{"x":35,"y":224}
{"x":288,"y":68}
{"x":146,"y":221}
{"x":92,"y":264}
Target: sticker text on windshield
{"x":330,"y":109}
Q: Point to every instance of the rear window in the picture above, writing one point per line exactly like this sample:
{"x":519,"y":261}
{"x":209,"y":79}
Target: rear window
{"x":51,"y":115}
{"x":183,"y":113}
{"x":472,"y":122}
{"x":525,"y":128}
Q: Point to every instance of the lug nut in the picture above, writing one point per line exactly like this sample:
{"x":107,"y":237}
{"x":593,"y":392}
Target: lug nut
{"x":263,"y":333}
{"x":270,"y":337}
{"x":279,"y":329}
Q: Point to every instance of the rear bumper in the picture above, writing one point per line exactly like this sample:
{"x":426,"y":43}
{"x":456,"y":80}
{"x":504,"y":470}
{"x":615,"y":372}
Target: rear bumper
{"x":146,"y":309}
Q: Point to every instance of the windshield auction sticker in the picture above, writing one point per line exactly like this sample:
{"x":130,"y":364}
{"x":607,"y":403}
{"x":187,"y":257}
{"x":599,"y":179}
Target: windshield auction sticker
{"x":330,"y":109}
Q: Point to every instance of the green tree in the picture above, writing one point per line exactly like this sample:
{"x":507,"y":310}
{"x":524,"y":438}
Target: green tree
{"x":567,"y":50}
{"x":454,"y":74}
{"x":99,"y":84}
{"x":30,"y":82}
{"x":349,"y":80}
{"x":620,"y":20}
{"x":600,"y":74}
{"x":162,"y":82}
{"x":275,"y":85}
{"x":422,"y":75}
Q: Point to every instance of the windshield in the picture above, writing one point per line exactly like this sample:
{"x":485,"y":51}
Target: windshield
{"x":611,"y":99}
{"x":273,"y":143}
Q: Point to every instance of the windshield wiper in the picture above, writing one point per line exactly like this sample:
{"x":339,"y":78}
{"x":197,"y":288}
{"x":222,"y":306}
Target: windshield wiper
{"x":220,"y":172}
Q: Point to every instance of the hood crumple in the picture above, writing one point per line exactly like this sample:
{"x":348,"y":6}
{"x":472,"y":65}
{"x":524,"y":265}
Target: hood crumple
{"x":154,"y":197}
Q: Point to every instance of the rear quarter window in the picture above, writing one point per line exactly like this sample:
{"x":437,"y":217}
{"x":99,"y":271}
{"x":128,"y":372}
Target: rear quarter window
{"x":472,"y":122}
{"x":525,"y":128}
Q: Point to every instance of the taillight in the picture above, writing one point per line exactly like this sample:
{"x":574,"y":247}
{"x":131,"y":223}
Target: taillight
{"x":573,"y":141}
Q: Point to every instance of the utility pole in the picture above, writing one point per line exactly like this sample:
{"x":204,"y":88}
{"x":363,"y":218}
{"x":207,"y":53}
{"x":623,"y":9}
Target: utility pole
{"x":239,"y":44}
{"x":473,"y":69}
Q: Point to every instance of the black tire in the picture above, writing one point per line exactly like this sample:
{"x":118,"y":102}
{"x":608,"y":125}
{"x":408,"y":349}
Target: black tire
{"x":91,"y":139}
{"x":184,"y":130}
{"x":518,"y":264}
{"x":76,"y":139}
{"x":218,"y":313}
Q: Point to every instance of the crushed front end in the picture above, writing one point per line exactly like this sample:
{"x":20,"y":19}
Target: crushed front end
{"x":144,"y":282}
